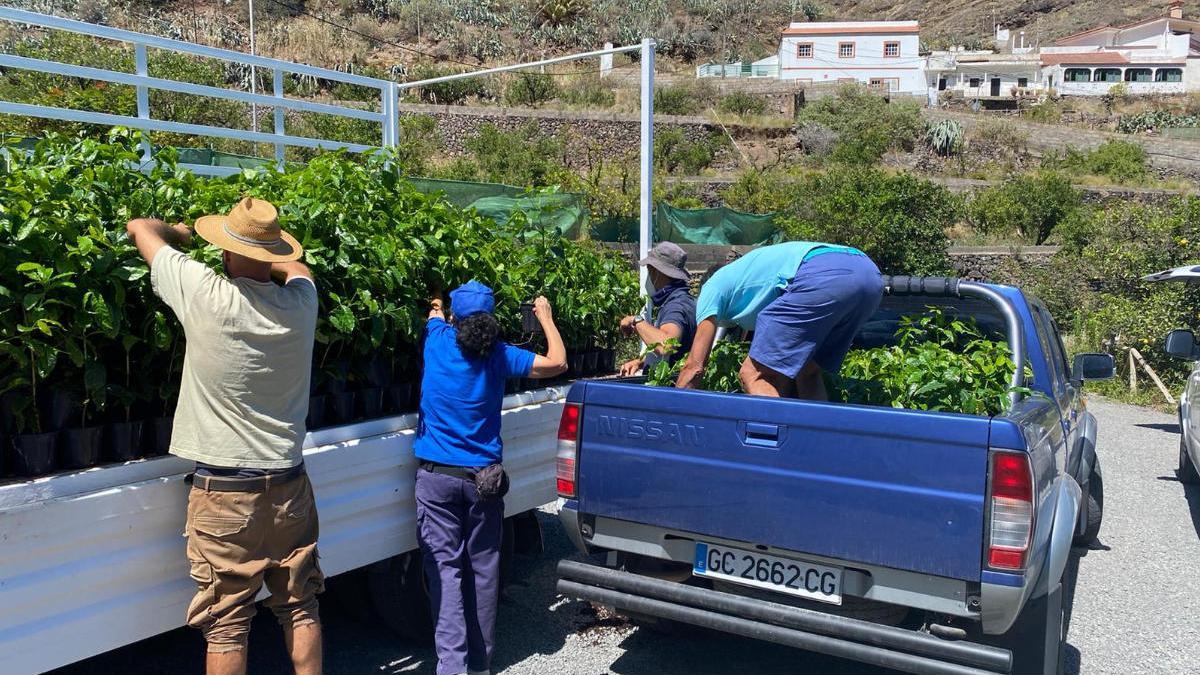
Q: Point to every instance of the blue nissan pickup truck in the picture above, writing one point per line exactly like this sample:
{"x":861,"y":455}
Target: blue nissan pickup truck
{"x":927,"y":542}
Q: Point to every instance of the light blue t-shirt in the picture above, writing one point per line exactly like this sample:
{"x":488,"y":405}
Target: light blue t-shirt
{"x":737,"y":292}
{"x":461,"y":399}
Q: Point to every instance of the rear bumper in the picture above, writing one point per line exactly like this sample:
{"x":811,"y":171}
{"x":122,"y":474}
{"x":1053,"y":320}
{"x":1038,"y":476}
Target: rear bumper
{"x":863,"y":641}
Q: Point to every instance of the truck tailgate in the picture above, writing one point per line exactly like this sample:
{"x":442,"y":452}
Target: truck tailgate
{"x":896,"y":488}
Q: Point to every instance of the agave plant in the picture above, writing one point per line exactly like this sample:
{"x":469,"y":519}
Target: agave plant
{"x":945,"y":137}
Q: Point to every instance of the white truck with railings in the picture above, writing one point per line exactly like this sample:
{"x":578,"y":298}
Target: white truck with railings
{"x":92,"y":560}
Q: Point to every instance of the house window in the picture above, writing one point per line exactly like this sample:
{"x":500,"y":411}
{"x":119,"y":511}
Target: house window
{"x":1022,"y":82}
{"x":892,"y":83}
{"x":804,"y":50}
{"x":1077,"y":75}
{"x":845,"y":50}
{"x":1107,"y":75}
{"x":1138,"y":75}
{"x":1168,"y":75}
{"x":974,"y":82}
{"x":891,"y":50}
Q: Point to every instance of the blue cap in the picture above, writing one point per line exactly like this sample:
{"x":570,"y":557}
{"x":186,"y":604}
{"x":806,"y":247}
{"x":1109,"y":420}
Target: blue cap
{"x":471,"y":298}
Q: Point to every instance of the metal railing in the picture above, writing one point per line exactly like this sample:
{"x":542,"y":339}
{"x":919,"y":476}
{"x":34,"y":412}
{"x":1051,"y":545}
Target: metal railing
{"x":387,"y":117}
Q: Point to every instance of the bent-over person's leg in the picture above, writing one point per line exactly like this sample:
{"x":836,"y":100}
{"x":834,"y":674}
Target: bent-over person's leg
{"x":297,"y":578}
{"x":759,"y":380}
{"x":810,"y":383}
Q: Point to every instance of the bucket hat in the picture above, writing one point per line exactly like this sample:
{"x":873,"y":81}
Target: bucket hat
{"x":250,"y":229}
{"x":669,"y":259}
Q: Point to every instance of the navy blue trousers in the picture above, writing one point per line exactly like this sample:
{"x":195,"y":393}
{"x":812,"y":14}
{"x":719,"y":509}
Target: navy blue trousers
{"x":460,"y":538}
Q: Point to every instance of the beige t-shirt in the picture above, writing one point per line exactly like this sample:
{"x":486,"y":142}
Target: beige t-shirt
{"x":244,"y":394}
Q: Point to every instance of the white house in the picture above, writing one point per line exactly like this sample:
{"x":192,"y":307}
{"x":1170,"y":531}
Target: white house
{"x":881,"y":53}
{"x":1013,"y":69}
{"x":1157,"y":55}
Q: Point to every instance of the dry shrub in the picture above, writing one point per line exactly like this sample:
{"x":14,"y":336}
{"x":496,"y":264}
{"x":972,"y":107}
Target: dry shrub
{"x":996,"y":138}
{"x":307,"y":40}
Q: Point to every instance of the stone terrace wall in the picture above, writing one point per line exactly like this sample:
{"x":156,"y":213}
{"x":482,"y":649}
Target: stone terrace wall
{"x":615,"y":134}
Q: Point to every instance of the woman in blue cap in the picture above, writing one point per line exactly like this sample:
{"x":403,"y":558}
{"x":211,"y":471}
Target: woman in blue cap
{"x":460,"y":510}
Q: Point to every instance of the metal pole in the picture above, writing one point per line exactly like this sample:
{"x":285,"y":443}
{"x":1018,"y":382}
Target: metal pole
{"x":521,"y":66}
{"x":142,"y":64}
{"x":253,"y":74}
{"x":646,"y":232}
{"x":279,"y":121}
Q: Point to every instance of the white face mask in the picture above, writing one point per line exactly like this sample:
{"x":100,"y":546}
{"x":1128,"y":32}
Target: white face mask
{"x":649,"y":286}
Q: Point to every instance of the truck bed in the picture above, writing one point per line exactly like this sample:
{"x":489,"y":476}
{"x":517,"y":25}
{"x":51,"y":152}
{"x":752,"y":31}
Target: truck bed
{"x":790,"y":474}
{"x":93,"y":560}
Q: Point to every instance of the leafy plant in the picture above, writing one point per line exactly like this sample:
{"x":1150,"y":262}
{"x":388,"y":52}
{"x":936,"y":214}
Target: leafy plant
{"x":940,"y":362}
{"x":945,"y":137}
{"x":530,"y":89}
{"x":866,"y":124}
{"x":899,"y":220}
{"x":674,"y":152}
{"x":1122,"y":162}
{"x":588,"y":91}
{"x":1031,"y":206}
{"x":1154,"y":120}
{"x":720,"y":373}
{"x":682,"y":99}
{"x":741,"y":103}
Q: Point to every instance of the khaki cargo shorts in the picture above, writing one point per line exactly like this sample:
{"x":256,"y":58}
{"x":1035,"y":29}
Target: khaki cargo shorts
{"x":236,"y":542}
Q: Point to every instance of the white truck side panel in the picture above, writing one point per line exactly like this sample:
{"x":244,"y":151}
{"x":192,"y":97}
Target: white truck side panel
{"x":95,"y":560}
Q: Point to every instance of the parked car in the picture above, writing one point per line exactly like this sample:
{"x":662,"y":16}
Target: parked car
{"x":922,"y":541}
{"x":1182,"y":345}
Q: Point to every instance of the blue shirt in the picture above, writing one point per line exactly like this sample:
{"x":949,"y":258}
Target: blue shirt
{"x":737,"y":292}
{"x":461,"y":399}
{"x":674,"y":304}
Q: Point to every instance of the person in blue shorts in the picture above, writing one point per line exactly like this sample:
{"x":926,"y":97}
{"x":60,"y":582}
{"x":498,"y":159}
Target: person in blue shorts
{"x":805,"y":302}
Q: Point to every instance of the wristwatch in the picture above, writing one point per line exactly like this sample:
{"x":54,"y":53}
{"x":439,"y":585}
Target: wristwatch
{"x":636,"y":321}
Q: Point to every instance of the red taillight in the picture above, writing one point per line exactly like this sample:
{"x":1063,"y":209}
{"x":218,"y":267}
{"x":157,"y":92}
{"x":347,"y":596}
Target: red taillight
{"x":1011,"y":510}
{"x":568,"y":447}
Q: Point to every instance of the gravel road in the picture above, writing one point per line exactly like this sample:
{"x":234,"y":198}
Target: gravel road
{"x":1137,"y":606}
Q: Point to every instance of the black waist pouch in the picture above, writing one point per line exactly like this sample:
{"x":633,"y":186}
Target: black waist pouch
{"x":491,"y":482}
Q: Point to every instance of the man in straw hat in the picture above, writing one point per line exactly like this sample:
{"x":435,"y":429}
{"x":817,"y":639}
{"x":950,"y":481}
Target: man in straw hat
{"x":243,"y":399}
{"x":674,"y":309}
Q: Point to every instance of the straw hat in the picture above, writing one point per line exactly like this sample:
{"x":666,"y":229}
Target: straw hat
{"x":251,"y":229}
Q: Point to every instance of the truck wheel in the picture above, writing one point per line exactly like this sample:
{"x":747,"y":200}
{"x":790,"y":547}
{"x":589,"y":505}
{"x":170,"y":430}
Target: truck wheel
{"x":1095,"y":510}
{"x":1187,"y":469}
{"x":401,"y":597}
{"x":400,"y":593}
{"x":1038,"y":638}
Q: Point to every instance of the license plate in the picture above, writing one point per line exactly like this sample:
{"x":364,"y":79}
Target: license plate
{"x":784,"y":575}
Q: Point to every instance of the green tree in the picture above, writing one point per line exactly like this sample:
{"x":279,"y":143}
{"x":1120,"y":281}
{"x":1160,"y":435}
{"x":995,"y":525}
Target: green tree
{"x":1031,"y":206}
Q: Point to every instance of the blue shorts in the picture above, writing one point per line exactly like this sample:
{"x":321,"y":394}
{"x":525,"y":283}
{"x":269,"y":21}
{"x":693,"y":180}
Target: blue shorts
{"x":819,"y":313}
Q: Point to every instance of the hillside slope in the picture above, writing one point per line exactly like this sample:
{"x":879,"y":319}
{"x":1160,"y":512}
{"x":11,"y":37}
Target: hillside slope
{"x":471,"y":32}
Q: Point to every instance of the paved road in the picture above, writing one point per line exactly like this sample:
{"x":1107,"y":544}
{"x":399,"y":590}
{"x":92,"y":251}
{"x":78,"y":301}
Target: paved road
{"x":1137,"y":607}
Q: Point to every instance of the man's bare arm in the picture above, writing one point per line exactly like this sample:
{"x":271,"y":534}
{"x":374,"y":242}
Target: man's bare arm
{"x":151,"y":234}
{"x":693,"y":370}
{"x":284,"y":272}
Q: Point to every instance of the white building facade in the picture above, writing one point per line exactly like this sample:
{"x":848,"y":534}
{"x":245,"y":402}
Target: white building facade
{"x":876,"y":53}
{"x":1160,"y":55}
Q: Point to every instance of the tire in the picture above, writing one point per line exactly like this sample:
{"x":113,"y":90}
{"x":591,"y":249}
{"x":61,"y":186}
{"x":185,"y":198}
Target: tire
{"x":1095,"y":510}
{"x":401,"y":597}
{"x":400,"y":594}
{"x":1187,"y":468}
{"x":1038,"y":638}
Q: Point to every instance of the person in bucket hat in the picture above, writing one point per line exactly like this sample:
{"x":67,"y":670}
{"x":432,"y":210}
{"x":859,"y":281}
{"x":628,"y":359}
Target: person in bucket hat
{"x":251,"y":517}
{"x":674,"y":309}
{"x":460,"y":481}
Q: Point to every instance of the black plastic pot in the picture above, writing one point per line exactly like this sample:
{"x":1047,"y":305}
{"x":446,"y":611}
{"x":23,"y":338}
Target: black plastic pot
{"x":370,"y":403}
{"x":379,"y":372}
{"x":123,"y":441}
{"x":7,"y":423}
{"x":341,"y":407}
{"x":591,"y":361}
{"x":512,"y":385}
{"x":529,"y":321}
{"x":575,"y":365}
{"x":318,"y":408}
{"x":398,"y":398}
{"x":156,"y":436}
{"x":80,"y":448}
{"x":4,"y":446}
{"x":33,"y":454}
{"x":608,"y":361}
{"x":60,"y":409}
